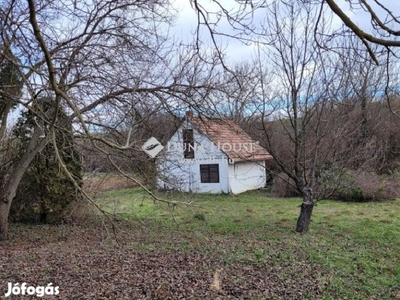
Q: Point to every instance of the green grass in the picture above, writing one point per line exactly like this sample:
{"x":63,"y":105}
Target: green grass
{"x":356,"y":244}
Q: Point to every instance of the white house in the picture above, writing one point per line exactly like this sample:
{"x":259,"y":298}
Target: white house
{"x":211,"y":156}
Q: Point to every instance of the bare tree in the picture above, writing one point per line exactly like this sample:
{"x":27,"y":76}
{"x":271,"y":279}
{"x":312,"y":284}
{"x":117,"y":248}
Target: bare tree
{"x":300,"y":97}
{"x":102,"y":61}
{"x":383,"y":28}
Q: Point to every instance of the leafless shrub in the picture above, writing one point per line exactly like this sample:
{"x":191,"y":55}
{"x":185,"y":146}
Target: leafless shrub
{"x":284,"y":187}
{"x":367,"y":186}
{"x":81,"y":213}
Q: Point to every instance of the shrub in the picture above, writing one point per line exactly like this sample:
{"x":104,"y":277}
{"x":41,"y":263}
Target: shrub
{"x":344,"y":185}
{"x":360,"y":186}
{"x":284,"y":186}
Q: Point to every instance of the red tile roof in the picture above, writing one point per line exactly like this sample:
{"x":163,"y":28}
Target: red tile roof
{"x":231,"y":139}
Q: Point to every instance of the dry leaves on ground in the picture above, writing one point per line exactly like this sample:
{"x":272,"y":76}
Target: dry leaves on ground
{"x":86,"y":263}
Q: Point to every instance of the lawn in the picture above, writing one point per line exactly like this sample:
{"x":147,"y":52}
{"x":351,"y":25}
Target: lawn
{"x":212,"y":247}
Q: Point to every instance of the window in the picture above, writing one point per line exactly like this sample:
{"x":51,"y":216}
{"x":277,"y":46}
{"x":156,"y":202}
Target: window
{"x":188,"y":143}
{"x":209,"y":173}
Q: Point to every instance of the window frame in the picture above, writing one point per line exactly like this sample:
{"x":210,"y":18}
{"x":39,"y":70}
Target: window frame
{"x":188,"y":143}
{"x":209,"y":173}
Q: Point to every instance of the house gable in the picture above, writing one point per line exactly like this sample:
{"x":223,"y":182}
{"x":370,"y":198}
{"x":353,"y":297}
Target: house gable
{"x":202,"y":147}
{"x":205,"y":172}
{"x":197,"y":158}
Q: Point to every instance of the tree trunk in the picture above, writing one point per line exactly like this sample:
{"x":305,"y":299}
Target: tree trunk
{"x":4,"y":210}
{"x":10,"y":188}
{"x":10,"y":191}
{"x":307,"y":206}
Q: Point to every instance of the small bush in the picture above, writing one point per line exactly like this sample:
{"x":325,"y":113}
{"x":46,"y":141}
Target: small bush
{"x":82,"y":213}
{"x":284,"y":186}
{"x":200,"y":216}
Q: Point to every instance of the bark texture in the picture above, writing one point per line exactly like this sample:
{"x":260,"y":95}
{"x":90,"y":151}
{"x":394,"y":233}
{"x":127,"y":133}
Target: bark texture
{"x":307,"y":206}
{"x":4,"y":210}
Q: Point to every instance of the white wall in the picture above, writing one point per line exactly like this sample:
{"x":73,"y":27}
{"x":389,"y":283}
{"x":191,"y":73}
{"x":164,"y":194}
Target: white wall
{"x":246,"y":176}
{"x":176,"y":172}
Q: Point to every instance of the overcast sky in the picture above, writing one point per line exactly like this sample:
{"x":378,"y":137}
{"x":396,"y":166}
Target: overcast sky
{"x":187,"y":22}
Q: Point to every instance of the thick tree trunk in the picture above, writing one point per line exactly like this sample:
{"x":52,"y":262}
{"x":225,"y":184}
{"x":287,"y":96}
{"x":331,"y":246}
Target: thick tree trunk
{"x":9,"y":193}
{"x":4,"y":210}
{"x":307,"y":206}
{"x":10,"y":189}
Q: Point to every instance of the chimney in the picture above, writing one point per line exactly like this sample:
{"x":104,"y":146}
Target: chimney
{"x":189,"y":114}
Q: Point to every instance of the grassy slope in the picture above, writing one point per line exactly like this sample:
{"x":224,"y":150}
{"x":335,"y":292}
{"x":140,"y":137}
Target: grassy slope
{"x":356,"y":244}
